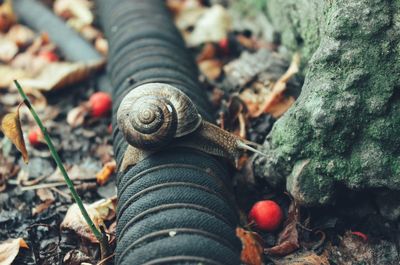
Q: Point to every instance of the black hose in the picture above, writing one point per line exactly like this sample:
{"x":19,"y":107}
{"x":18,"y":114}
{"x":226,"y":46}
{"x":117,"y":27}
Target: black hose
{"x":176,"y":206}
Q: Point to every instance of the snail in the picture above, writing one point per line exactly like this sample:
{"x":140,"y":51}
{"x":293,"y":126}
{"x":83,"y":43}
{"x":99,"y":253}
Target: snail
{"x":155,"y":115}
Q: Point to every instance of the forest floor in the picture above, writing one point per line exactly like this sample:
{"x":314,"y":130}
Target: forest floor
{"x":250,"y":81}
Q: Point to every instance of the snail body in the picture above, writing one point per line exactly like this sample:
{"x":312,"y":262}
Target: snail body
{"x":155,"y":115}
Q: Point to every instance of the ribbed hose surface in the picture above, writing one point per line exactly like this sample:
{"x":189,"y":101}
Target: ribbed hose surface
{"x":174,"y":207}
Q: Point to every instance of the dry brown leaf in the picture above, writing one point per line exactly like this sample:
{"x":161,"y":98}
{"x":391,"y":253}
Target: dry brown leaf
{"x":252,"y":250}
{"x":41,"y":207}
{"x":281,"y":107}
{"x":106,"y":172}
{"x":76,"y":116}
{"x":11,"y":127}
{"x":100,"y":211}
{"x":280,"y":86}
{"x":305,"y":258}
{"x":208,"y":52}
{"x":9,"y":250}
{"x":211,"y":68}
{"x":45,"y":194}
{"x":288,"y":239}
{"x":61,"y":74}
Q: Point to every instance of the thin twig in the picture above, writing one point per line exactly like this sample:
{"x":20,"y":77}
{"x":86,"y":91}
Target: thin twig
{"x":101,"y":262}
{"x":65,"y":195}
{"x":103,"y":241}
{"x":42,"y":186}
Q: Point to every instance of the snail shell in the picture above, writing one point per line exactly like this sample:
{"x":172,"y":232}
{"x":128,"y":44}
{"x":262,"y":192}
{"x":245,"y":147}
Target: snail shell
{"x":151,"y":115}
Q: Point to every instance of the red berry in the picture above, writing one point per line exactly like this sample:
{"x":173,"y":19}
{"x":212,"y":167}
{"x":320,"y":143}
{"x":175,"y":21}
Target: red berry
{"x":267,"y":215}
{"x":224,"y":45}
{"x":49,"y":56}
{"x":35,"y":137}
{"x":100,"y":104}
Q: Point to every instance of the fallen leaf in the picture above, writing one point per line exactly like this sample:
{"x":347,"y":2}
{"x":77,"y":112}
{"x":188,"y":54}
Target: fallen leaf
{"x":21,"y":35}
{"x":248,"y":66}
{"x":352,"y":250}
{"x":212,"y":26}
{"x":104,"y":152}
{"x":106,"y":172}
{"x":79,"y":9}
{"x":288,"y":239}
{"x":41,"y":207}
{"x":76,"y":116}
{"x":9,"y":74}
{"x":60,"y":74}
{"x":76,"y":257}
{"x":211,"y":68}
{"x":208,"y":52}
{"x":280,"y":86}
{"x":303,"y":258}
{"x":252,"y":250}
{"x":101,"y":45}
{"x":9,"y":249}
{"x":100,"y":211}
{"x":30,"y":63}
{"x":45,"y":194}
{"x":11,"y":127}
{"x":8,"y":49}
{"x":188,"y":15}
{"x":281,"y":107}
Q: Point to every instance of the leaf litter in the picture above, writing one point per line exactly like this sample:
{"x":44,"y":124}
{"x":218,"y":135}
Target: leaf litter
{"x":251,"y":84}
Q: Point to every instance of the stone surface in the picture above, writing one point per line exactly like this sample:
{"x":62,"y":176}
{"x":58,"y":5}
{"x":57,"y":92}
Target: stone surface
{"x":297,"y":22}
{"x":343,"y":131}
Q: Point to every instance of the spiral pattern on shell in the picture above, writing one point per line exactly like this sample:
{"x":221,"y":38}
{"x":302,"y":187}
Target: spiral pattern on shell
{"x":151,"y":115}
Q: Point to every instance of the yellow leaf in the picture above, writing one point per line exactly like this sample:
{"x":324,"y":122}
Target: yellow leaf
{"x":11,"y":127}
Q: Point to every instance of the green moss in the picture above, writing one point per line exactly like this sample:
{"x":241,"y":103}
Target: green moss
{"x":346,"y":121}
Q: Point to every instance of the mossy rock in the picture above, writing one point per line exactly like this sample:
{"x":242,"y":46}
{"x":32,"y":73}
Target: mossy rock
{"x":344,"y":129}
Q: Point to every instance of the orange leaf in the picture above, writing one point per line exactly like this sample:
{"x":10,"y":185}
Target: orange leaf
{"x":280,"y":86}
{"x":105,"y":173}
{"x":11,"y":127}
{"x":281,"y":107}
{"x":252,"y":250}
{"x":23,"y":244}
